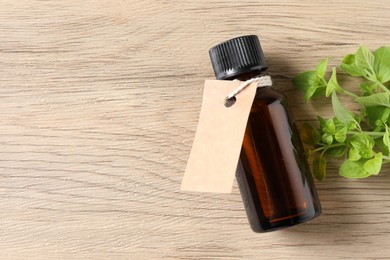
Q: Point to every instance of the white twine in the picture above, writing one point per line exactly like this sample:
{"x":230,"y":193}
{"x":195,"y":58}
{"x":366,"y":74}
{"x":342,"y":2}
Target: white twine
{"x":262,"y":81}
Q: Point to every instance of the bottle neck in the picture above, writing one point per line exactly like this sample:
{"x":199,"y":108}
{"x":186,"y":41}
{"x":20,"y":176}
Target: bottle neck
{"x":249,"y":75}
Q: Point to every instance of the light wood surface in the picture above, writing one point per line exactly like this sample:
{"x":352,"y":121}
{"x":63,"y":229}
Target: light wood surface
{"x":98,"y":110}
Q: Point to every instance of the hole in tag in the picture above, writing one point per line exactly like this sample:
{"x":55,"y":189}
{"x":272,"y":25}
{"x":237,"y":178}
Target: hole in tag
{"x":230,"y":101}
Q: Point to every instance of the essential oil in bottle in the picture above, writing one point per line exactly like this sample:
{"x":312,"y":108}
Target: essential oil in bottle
{"x":273,"y":175}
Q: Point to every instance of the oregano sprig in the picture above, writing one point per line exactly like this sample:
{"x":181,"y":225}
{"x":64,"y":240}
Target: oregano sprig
{"x":361,"y":139}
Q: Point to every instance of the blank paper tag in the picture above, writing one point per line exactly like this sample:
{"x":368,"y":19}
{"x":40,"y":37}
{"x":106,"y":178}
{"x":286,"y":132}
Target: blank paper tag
{"x":217,"y":145}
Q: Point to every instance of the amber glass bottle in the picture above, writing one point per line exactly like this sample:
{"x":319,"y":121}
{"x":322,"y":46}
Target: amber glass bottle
{"x":273,"y":174}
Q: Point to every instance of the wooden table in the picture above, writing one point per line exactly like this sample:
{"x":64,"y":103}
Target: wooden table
{"x":99,"y":106}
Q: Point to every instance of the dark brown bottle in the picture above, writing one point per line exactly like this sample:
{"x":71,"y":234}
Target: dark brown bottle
{"x":273,"y":174}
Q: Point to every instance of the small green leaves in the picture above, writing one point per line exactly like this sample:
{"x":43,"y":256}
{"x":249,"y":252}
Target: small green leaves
{"x":330,"y":126}
{"x":362,"y":138}
{"x":362,"y":143}
{"x":327,"y":138}
{"x":361,"y":168}
{"x":360,"y":64}
{"x":312,"y":83}
{"x":368,"y":88}
{"x":328,"y":129}
{"x":319,"y":168}
{"x":341,"y":135}
{"x":378,"y":116}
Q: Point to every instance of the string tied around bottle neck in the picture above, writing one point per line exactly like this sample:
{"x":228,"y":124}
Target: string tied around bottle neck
{"x":262,"y":81}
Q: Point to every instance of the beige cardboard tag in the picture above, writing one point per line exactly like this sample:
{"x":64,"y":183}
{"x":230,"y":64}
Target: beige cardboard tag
{"x":217,"y":145}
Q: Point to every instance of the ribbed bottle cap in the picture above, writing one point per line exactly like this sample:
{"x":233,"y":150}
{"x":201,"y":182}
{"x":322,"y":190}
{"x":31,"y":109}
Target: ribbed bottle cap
{"x":237,"y":56}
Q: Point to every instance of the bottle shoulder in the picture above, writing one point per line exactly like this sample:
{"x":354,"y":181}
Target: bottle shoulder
{"x":269,"y":95}
{"x":269,"y":98}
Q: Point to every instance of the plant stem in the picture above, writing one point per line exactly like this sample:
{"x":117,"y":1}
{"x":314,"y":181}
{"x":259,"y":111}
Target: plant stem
{"x":387,"y":158}
{"x":319,"y":149}
{"x":327,"y":147}
{"x":383,"y":87}
{"x":367,"y":133}
{"x":350,"y":93}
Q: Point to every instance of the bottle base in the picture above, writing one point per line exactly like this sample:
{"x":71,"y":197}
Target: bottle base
{"x":282,"y":223}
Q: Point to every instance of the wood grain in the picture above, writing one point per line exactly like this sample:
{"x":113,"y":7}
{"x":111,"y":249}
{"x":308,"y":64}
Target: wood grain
{"x":99,"y":105}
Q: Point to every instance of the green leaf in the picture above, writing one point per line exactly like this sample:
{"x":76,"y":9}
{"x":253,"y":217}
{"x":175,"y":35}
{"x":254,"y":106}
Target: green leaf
{"x":341,"y":113}
{"x":386,"y":140}
{"x":352,"y":126}
{"x":337,"y":151}
{"x":321,"y":67}
{"x":341,"y":135}
{"x":382,"y":64}
{"x":378,"y":114}
{"x":349,"y":66}
{"x":353,"y":154}
{"x":366,"y":153}
{"x":379,"y":99}
{"x":332,"y":85}
{"x":365,"y":61}
{"x":319,"y":168}
{"x":330,"y":126}
{"x":368,"y":88}
{"x":360,"y":64}
{"x":310,"y":83}
{"x":328,"y":130}
{"x":302,"y":80}
{"x":373,"y":166}
{"x":327,"y":138}
{"x":382,"y":146}
{"x":322,"y":122}
{"x":354,"y":169}
{"x":310,"y":135}
{"x":362,"y":143}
